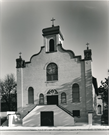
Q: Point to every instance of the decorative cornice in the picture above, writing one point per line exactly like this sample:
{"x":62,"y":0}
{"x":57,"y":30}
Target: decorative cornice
{"x":35,"y":54}
{"x":70,"y":52}
{"x":52,"y":31}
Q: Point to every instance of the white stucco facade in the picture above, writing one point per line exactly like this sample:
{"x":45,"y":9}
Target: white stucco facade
{"x":73,"y":77}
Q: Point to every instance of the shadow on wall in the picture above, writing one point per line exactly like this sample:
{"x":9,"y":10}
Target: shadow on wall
{"x":67,"y":88}
{"x":71,"y":105}
{"x":89,"y":95}
{"x":24,"y":111}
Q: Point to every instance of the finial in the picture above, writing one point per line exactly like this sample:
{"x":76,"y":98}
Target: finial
{"x":52,"y":22}
{"x":87,"y":46}
{"x":20,"y":55}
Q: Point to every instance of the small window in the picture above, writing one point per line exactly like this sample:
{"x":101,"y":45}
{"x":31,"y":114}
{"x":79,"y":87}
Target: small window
{"x":41,"y":99}
{"x":75,"y":93}
{"x":51,"y":45}
{"x":63,"y":97}
{"x":30,"y":95}
{"x":99,"y":109}
{"x":52,"y":72}
{"x":76,"y":113}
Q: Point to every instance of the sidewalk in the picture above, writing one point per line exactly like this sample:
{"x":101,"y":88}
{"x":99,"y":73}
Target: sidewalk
{"x":73,"y":128}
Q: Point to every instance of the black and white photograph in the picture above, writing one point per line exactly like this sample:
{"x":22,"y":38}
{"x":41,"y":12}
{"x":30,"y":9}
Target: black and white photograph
{"x":54,"y":67}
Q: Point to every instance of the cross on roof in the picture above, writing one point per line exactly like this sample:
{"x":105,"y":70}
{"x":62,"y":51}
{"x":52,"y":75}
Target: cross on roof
{"x":87,"y":46}
{"x":52,"y":21}
{"x":20,"y":54}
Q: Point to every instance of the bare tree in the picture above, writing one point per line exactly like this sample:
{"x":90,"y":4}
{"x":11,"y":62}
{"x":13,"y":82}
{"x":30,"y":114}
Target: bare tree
{"x":8,"y":90}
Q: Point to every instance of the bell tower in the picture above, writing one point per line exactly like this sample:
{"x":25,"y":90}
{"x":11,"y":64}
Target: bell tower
{"x":52,"y":37}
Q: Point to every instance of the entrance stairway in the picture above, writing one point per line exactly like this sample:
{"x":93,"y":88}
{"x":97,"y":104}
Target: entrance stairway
{"x":61,"y":117}
{"x":64,"y":109}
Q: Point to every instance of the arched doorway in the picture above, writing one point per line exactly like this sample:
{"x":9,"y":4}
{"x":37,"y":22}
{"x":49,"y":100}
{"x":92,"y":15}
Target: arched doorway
{"x":52,"y":97}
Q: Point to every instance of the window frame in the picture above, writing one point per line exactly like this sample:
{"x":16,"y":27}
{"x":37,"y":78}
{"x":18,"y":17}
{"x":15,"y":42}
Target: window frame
{"x":30,"y":95}
{"x":51,"y":76}
{"x":41,"y":99}
{"x":75,"y":93}
{"x":76,"y":112}
{"x":51,"y":45}
{"x":99,"y":109}
{"x":63,"y":98}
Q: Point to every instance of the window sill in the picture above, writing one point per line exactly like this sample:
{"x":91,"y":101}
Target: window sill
{"x":75,"y":102}
{"x":51,"y":81}
{"x":51,"y":52}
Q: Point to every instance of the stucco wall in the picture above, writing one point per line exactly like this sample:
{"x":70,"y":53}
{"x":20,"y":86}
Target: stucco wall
{"x":61,"y":118}
{"x":89,"y":92}
{"x":70,"y":70}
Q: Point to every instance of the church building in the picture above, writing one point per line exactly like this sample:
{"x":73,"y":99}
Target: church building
{"x":55,"y":88}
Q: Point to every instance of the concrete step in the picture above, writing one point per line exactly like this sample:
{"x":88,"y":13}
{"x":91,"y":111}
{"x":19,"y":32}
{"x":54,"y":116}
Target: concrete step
{"x":60,"y":116}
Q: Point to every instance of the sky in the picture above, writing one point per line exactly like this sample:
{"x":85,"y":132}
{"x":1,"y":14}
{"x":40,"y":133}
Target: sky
{"x":80,"y":22}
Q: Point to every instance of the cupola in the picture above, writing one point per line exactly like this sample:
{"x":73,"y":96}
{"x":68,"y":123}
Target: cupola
{"x":52,"y":37}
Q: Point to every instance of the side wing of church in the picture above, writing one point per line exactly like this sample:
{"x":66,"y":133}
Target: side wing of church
{"x":55,"y":87}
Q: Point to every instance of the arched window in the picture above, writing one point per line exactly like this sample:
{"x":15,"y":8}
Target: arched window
{"x":99,"y":109}
{"x":30,"y":95}
{"x":63,"y":97}
{"x":51,"y":45}
{"x":52,"y":72}
{"x":75,"y":93}
{"x":41,"y":99}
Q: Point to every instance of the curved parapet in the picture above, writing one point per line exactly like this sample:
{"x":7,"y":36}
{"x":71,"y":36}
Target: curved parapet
{"x":35,"y":54}
{"x":70,"y":52}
